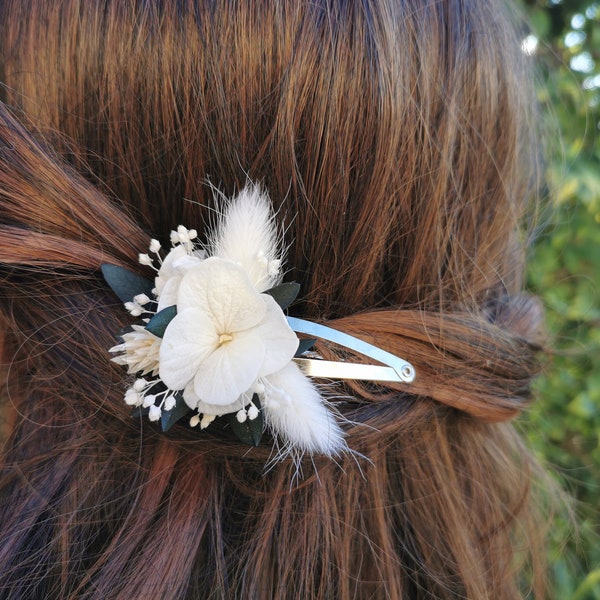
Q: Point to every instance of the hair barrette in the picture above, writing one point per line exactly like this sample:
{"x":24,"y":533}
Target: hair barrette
{"x":213,"y":340}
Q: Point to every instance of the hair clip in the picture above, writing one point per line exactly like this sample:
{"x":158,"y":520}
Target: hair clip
{"x":397,"y":369}
{"x":214,"y":341}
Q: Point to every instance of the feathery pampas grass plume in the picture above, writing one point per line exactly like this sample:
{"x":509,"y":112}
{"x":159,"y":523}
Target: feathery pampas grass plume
{"x":247,"y":234}
{"x":301,"y":419}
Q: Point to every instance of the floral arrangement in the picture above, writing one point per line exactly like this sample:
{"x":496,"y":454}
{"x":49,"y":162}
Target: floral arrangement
{"x":213,"y":340}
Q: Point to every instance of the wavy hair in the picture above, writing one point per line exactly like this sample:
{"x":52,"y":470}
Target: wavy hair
{"x":396,"y":139}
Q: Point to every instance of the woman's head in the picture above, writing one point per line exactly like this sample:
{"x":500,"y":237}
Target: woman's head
{"x":394,"y":139}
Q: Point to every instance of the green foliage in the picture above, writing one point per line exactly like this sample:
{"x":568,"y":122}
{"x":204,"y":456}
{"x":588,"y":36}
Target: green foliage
{"x":125,"y":283}
{"x":564,"y":426}
{"x":284,"y":294}
{"x":158,"y":324}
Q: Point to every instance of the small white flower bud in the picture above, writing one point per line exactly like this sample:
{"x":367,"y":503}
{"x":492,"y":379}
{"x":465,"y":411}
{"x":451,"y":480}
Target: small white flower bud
{"x":148,"y":400}
{"x":241,"y":416}
{"x":145,"y":259}
{"x":141,"y":299}
{"x":206,"y":421}
{"x":140,"y":384}
{"x":136,"y":311}
{"x":170,"y":403}
{"x":192,"y":234}
{"x":252,"y":412}
{"x":154,"y":414}
{"x":132,"y":398}
{"x":154,"y":246}
{"x":174,"y":238}
{"x":259,"y":388}
{"x":183,"y":234}
{"x":195,"y":420}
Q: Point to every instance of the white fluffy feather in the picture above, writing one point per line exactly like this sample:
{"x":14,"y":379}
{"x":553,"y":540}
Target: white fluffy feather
{"x":247,"y":234}
{"x":303,"y":422}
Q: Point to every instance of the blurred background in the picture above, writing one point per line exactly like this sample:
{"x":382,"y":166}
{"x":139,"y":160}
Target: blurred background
{"x":563,"y":37}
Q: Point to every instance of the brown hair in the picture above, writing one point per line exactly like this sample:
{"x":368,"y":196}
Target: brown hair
{"x":396,"y":139}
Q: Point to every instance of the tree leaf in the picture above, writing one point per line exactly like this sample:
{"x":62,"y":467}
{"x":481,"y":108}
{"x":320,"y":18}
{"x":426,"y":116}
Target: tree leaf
{"x":250,"y":431}
{"x":125,"y":283}
{"x":284,"y":294}
{"x":304,"y":345}
{"x":168,"y":418}
{"x":159,"y":322}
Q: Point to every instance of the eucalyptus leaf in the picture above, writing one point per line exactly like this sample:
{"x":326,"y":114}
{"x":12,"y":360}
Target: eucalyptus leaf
{"x":168,"y":418}
{"x":285,"y":293}
{"x":125,"y":283}
{"x":250,"y":431}
{"x":304,"y":345}
{"x":159,"y":322}
{"x":139,"y":411}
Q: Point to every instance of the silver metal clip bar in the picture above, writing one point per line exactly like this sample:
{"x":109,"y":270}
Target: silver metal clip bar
{"x":399,"y":369}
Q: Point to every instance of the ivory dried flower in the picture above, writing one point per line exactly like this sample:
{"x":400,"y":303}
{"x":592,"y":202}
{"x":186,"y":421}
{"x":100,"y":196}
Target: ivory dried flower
{"x":225,"y":336}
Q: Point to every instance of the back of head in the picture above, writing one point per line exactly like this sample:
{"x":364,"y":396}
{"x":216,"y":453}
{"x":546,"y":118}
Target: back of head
{"x":395,"y":141}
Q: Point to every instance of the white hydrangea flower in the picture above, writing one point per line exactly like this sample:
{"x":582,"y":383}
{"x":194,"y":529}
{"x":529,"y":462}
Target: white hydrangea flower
{"x":224,"y":338}
{"x":139,"y":351}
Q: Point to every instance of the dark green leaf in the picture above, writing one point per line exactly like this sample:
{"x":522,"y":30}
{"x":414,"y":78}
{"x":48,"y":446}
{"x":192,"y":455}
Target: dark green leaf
{"x":125,"y":283}
{"x":139,"y":411}
{"x":250,"y":431}
{"x":159,"y":322}
{"x":305,"y":344}
{"x":284,"y":294}
{"x":168,"y":418}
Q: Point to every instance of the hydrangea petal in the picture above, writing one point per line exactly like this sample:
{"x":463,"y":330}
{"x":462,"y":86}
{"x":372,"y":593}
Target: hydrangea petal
{"x":170,"y":274}
{"x":223,"y":289}
{"x":189,"y":395}
{"x":167,"y":270}
{"x":168,"y":295}
{"x":230,"y":370}
{"x":280,"y":341}
{"x":190,"y":337}
{"x":194,"y":402}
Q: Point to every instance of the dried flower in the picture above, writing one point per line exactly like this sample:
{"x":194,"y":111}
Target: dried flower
{"x":225,"y":335}
{"x":139,"y":351}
